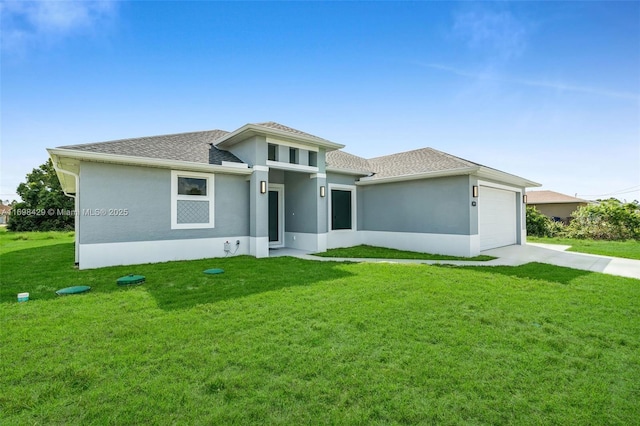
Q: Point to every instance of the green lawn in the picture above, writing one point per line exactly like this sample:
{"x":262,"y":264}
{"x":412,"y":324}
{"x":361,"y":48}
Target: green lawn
{"x":10,"y":241}
{"x":628,"y":249}
{"x":371,"y":252}
{"x":289,"y":341}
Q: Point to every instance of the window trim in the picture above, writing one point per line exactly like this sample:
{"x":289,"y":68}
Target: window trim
{"x":175,"y":197}
{"x":354,"y":206}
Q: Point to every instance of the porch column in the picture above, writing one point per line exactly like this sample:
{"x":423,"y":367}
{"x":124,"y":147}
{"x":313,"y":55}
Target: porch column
{"x":322,"y":211}
{"x":259,"y":212}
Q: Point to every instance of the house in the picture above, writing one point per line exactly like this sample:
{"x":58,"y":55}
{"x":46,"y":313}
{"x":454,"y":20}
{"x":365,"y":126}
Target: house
{"x":5,"y":212}
{"x":554,"y":204}
{"x":265,"y":186}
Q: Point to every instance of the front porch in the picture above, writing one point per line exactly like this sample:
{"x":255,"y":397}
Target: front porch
{"x":291,"y":211}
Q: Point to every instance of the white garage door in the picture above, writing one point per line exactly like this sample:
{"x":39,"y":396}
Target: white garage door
{"x":497,"y":221}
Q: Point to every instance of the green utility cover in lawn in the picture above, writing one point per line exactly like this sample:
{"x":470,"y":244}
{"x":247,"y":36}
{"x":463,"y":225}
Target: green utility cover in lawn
{"x":73,"y":290}
{"x":214,"y":271}
{"x":130,"y":280}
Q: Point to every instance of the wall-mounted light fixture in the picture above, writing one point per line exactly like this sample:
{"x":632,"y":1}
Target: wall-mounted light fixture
{"x":474,"y":191}
{"x":524,"y":198}
{"x":263,"y":186}
{"x":322,"y":191}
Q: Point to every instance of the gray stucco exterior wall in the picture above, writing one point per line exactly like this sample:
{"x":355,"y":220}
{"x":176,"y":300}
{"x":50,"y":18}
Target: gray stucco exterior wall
{"x":438,"y":206}
{"x":146,"y":194}
{"x":342,"y":179}
{"x":474,"y":216}
{"x":276,"y":176}
{"x":252,"y":151}
{"x":301,"y":203}
{"x":258,"y":205}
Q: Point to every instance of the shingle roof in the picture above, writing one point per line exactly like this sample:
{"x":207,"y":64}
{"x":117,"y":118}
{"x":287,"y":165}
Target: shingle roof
{"x":193,"y":147}
{"x":282,"y":127}
{"x":551,"y":197}
{"x":401,"y":164}
{"x":343,"y":160}
{"x":416,"y":162}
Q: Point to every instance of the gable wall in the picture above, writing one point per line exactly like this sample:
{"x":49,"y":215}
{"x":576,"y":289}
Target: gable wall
{"x":252,"y":151}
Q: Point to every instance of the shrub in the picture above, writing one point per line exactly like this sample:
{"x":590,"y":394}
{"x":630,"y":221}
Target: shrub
{"x":609,"y":220}
{"x":539,"y":225}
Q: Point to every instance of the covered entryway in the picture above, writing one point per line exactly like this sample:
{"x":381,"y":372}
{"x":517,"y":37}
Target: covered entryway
{"x":497,"y":217}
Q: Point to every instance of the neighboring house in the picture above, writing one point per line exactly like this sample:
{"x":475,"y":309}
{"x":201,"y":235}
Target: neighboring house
{"x":5,"y":211}
{"x":264,"y":186}
{"x":554,"y":204}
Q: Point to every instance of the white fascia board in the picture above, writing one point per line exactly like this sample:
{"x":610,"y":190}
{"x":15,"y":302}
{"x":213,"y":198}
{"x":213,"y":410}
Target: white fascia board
{"x":71,"y":167}
{"x":429,"y":175}
{"x":147,"y":162}
{"x":249,"y":130}
{"x":495,"y":185}
{"x":291,"y":167}
{"x":233,"y":164}
{"x":487,"y":173}
{"x":290,"y":144}
{"x":347,"y":171}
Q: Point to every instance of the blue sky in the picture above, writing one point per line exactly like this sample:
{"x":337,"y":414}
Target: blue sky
{"x":549,"y":91}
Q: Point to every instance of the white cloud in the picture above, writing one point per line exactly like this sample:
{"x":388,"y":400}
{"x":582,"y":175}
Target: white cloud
{"x":25,"y":23}
{"x":498,"y":34}
{"x":554,"y":85}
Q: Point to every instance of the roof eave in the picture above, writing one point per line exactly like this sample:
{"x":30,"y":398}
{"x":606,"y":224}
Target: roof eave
{"x":487,"y":173}
{"x":559,"y":202}
{"x":249,"y":130}
{"x":347,"y":171}
{"x":427,"y":175}
{"x":58,"y":155}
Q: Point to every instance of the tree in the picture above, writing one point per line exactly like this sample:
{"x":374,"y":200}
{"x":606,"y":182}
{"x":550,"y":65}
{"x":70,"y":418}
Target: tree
{"x":44,"y":206}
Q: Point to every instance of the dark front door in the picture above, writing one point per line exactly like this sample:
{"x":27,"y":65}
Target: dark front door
{"x":274,"y":214}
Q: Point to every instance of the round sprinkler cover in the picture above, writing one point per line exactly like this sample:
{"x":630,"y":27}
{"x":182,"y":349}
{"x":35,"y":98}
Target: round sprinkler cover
{"x":130,"y":280}
{"x":214,"y":271}
{"x":73,"y":290}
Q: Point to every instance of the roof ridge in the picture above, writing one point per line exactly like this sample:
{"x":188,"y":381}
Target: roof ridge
{"x":427,"y":148}
{"x":402,"y":152}
{"x":285,"y":128}
{"x":455,"y":157}
{"x":145,"y":137}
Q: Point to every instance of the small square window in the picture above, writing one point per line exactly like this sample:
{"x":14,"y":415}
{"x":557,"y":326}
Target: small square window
{"x":192,"y":186}
{"x":272,"y":152}
{"x":313,"y":158}
{"x":192,"y":196}
{"x":293,"y":155}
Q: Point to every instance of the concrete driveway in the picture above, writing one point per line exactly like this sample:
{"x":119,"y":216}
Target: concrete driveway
{"x":510,"y":256}
{"x":556,"y":255}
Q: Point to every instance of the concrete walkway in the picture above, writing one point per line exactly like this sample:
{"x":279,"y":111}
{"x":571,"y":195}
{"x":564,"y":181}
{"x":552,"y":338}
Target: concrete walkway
{"x":509,"y":256}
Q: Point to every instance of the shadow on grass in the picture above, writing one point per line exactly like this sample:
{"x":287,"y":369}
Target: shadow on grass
{"x":243,"y":276}
{"x":534,"y":271}
{"x":174,"y":285}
